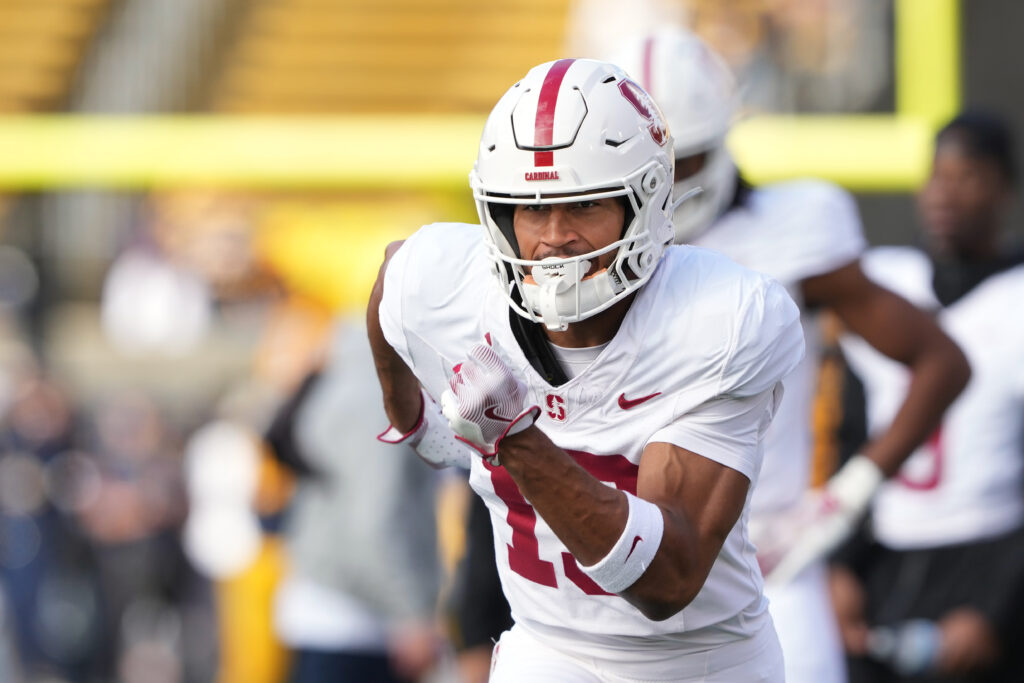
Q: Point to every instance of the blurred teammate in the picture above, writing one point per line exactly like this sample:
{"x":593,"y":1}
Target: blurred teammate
{"x":614,"y":390}
{"x":950,"y":527}
{"x":807,"y":235}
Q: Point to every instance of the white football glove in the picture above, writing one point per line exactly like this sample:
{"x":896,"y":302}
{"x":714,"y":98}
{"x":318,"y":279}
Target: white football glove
{"x":431,"y":438}
{"x":823,"y":521}
{"x":485,"y":402}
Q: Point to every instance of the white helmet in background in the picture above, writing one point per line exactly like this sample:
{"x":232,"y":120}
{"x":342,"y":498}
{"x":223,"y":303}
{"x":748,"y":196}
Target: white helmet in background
{"x":697,"y":92}
{"x":569,"y":130}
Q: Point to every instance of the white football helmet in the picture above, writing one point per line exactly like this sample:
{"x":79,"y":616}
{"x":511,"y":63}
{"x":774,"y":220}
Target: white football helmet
{"x":698,"y":94}
{"x":569,"y":130}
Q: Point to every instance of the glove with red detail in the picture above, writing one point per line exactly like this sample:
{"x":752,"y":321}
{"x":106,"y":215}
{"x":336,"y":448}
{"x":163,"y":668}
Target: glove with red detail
{"x":824,"y":520}
{"x":485,"y":402}
{"x":430,"y":437}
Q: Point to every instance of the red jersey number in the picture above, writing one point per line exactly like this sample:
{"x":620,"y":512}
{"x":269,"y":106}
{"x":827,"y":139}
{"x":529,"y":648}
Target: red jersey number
{"x":524,"y":551}
{"x":929,"y":479}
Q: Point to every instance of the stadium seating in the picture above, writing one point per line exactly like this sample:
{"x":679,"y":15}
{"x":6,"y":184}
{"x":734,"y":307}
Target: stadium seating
{"x":324,"y":56}
{"x":41,"y":46}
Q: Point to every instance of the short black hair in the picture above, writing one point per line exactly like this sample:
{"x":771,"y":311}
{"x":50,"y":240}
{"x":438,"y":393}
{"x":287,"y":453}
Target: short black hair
{"x":985,"y":136}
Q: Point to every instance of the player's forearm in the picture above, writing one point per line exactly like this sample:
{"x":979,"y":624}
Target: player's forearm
{"x":589,"y":517}
{"x":586,"y":515}
{"x":939,"y":373}
{"x":402,"y":400}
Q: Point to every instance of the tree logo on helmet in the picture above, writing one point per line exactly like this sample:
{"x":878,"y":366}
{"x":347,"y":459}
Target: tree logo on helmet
{"x":646,"y":107}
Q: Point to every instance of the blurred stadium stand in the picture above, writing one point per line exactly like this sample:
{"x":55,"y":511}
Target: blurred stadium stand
{"x":380,"y":56}
{"x":42,"y":45}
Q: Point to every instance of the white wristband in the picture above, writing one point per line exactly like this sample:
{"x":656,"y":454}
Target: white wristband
{"x":854,"y":485}
{"x":633,"y":552}
{"x":431,"y":438}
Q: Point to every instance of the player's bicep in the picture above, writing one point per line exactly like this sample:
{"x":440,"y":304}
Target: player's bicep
{"x":694,"y":492}
{"x":727,"y":430}
{"x":700,"y":468}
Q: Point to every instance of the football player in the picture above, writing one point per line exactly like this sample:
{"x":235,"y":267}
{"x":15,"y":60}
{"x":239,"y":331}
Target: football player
{"x":953,"y":518}
{"x":807,"y":235}
{"x":613,"y":390}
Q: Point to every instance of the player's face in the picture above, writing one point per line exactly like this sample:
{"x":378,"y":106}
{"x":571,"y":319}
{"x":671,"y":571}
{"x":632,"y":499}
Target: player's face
{"x":962,"y":201}
{"x":569,"y":229}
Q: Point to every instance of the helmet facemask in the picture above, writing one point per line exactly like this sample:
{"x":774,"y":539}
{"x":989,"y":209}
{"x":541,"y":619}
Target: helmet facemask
{"x":561,"y":291}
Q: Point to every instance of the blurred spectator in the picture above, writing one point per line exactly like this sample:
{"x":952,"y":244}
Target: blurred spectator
{"x":589,"y":33}
{"x":936,"y":592}
{"x":193,"y":252}
{"x":44,"y":562}
{"x":359,"y":600}
{"x":132,"y":522}
{"x":788,"y":55}
{"x":9,"y":667}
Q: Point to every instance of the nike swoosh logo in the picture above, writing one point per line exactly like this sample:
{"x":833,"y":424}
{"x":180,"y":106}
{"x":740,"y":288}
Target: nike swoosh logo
{"x":636,"y":539}
{"x":489,"y":412}
{"x":627,"y":403}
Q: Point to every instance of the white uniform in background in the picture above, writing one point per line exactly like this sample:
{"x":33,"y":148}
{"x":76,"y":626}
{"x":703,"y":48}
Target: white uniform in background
{"x":967,"y":483}
{"x":793,"y":231}
{"x":700,"y":329}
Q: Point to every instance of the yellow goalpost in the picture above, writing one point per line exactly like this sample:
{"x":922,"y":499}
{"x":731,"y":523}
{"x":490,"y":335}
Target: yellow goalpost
{"x":863,"y":153}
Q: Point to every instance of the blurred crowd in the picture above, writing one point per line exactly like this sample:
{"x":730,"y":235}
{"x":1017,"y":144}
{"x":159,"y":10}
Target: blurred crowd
{"x":190,"y":485}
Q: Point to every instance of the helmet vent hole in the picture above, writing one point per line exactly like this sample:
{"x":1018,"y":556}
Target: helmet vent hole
{"x":491,"y":148}
{"x":610,"y":79}
{"x":616,"y":143}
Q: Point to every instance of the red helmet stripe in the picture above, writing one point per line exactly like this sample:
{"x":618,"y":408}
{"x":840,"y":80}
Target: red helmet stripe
{"x":545,"y":123}
{"x":648,"y":62}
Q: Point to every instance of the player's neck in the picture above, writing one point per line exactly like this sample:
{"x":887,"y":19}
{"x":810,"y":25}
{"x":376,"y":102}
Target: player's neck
{"x":593,"y":331}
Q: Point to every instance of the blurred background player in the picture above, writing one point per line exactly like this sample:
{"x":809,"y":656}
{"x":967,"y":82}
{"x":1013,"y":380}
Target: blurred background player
{"x":939,"y":593}
{"x":807,"y":235}
{"x":359,"y":597}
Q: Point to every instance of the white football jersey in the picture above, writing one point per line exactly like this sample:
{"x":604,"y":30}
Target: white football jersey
{"x":967,"y":482}
{"x":701,"y":332}
{"x":791,"y":231}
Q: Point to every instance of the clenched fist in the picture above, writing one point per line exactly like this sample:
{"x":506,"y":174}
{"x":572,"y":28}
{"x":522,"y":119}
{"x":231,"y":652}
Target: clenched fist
{"x":485,"y":402}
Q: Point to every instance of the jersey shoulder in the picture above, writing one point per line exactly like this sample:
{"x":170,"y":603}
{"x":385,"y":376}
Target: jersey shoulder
{"x":432,"y":289}
{"x":742,"y":323}
{"x":991,"y":305}
{"x":439,"y":262}
{"x":905,"y":270}
{"x":791,"y":230}
{"x":1007,"y":286}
